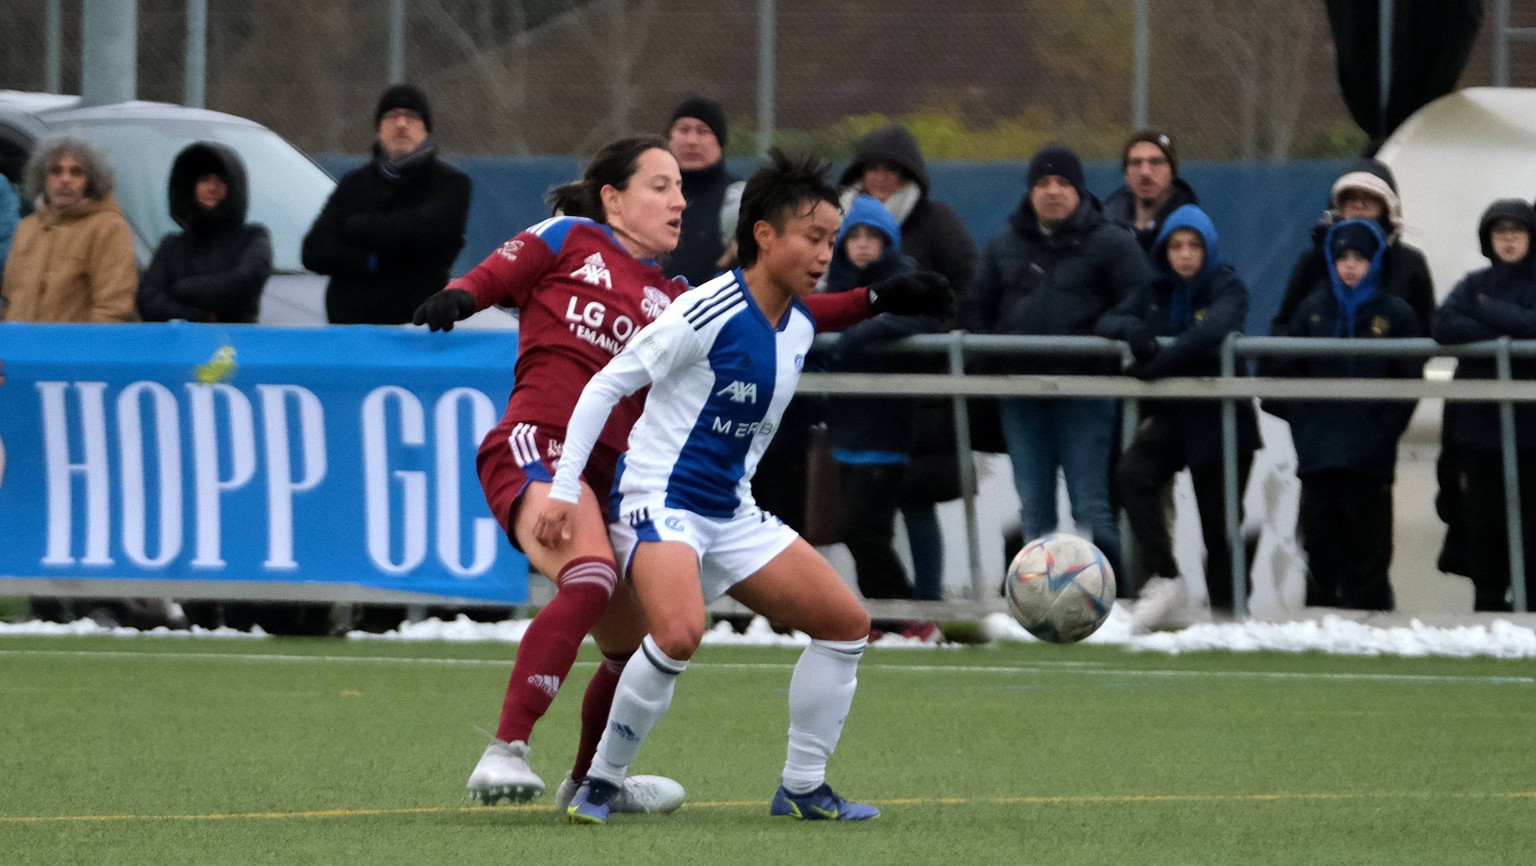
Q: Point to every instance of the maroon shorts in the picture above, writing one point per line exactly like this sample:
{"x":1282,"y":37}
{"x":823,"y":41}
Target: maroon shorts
{"x":529,"y":453}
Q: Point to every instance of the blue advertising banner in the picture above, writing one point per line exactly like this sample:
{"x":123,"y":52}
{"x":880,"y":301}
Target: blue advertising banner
{"x":245,"y":453}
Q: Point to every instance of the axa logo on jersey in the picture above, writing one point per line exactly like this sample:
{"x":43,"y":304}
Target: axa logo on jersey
{"x":740,"y":392}
{"x":594,"y":272}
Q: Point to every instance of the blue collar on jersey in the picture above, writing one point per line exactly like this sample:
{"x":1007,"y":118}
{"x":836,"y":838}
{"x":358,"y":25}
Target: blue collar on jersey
{"x":794,"y":302}
{"x":615,"y":238}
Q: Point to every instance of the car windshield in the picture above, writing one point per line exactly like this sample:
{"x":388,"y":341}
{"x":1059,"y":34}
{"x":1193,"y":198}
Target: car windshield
{"x":287,"y":190}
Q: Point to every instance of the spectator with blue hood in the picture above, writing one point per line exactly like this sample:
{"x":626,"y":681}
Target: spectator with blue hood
{"x":1346,"y":451}
{"x":1193,"y":301}
{"x":1496,"y":301}
{"x":872,"y":437}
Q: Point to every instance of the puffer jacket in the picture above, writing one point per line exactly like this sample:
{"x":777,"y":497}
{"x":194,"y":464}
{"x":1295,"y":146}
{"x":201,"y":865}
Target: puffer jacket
{"x":1031,"y":282}
{"x":215,"y":269}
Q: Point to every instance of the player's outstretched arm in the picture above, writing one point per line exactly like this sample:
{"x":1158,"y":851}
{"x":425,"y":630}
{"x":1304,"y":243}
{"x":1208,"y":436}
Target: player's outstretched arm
{"x":441,"y":310}
{"x":919,"y":293}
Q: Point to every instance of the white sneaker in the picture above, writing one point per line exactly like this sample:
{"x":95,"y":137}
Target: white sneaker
{"x":1163,"y":603}
{"x":641,"y":794}
{"x":503,"y":771}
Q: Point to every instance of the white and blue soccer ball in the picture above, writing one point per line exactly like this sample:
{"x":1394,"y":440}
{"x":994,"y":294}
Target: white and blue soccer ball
{"x":1060,"y":588}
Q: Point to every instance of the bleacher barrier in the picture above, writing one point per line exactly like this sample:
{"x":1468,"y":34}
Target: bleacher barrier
{"x":337,"y":464}
{"x":251,"y":463}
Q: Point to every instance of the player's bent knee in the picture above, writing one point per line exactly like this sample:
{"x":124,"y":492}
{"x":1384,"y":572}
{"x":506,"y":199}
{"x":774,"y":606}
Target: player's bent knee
{"x":679,"y":641}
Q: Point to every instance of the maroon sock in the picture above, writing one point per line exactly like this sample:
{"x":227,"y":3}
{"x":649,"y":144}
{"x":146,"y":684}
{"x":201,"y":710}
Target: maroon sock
{"x":594,"y":711}
{"x":548,"y":648}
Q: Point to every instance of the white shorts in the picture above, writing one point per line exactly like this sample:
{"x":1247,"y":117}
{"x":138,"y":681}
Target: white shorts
{"x":730,"y":550}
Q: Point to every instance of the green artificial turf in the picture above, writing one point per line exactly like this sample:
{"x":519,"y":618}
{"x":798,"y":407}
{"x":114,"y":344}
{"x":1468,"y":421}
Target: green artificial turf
{"x":321,"y":751}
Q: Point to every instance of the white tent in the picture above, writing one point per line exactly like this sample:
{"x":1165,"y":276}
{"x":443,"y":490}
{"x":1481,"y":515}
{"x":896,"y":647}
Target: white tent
{"x":1452,"y":159}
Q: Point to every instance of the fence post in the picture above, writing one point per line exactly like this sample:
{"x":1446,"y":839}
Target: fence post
{"x":1230,"y":493}
{"x":1130,"y":550}
{"x":195,"y":84}
{"x":1512,"y":516}
{"x":53,"y":40}
{"x":963,"y":454}
{"x":396,"y":41}
{"x":767,"y":37}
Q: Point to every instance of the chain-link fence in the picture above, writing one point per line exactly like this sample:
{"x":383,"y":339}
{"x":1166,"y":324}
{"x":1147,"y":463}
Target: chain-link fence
{"x":974,"y":79}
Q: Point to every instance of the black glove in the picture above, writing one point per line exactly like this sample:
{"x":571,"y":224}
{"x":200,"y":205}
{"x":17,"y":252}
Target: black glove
{"x":920,"y":293}
{"x":440,"y":311}
{"x":1144,"y":346}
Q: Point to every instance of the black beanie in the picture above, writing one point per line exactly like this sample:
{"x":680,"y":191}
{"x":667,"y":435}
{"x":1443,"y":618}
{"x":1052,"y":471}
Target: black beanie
{"x":406,"y":96}
{"x":1354,"y":236}
{"x":1163,"y":141}
{"x":705,"y":109}
{"x":1057,"y":159}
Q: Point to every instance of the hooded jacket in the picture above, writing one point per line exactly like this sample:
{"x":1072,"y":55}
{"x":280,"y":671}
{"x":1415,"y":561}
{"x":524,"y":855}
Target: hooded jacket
{"x":1404,"y":270}
{"x":1360,"y":436}
{"x":1198,"y":314}
{"x":1033,"y":282}
{"x":73,"y":264}
{"x":388,"y":236}
{"x":932,"y":234}
{"x":871,"y":429}
{"x":1497,"y":301}
{"x":1121,"y":207}
{"x":215,"y":268}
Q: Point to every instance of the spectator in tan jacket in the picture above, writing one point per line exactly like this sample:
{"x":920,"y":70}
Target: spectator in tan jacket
{"x":72,"y":259}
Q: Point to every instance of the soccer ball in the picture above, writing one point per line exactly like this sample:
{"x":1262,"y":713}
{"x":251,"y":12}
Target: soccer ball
{"x":1060,"y":588}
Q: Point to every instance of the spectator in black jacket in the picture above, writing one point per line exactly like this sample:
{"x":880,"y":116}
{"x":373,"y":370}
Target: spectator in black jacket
{"x":214,"y":269}
{"x":889,"y":165}
{"x":1346,"y":451}
{"x":1152,"y":188}
{"x":1497,"y":301}
{"x":1059,"y":267}
{"x":1367,"y":191}
{"x":697,"y":135}
{"x":1196,"y":299}
{"x":392,"y":228}
{"x":872,"y":437}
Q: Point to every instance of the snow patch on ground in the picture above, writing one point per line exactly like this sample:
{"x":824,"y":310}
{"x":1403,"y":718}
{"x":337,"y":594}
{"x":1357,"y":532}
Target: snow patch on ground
{"x":1328,"y":633}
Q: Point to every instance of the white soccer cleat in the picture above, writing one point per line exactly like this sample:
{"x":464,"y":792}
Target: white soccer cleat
{"x":503,"y":772}
{"x":638,"y":794}
{"x":1162,"y":604}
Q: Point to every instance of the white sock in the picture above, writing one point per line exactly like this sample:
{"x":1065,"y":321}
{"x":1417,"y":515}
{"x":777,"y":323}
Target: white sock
{"x":644,"y":693}
{"x":820,"y":694}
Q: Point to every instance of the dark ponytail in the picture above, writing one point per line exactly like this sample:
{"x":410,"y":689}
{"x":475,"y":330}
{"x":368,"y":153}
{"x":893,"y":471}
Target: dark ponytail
{"x":612,"y":166}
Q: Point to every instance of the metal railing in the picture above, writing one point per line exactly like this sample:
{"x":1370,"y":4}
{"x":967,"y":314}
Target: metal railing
{"x":957,"y":347}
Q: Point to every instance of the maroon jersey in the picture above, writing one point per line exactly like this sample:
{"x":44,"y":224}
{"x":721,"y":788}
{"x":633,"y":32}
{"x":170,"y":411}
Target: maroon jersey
{"x":581,"y":297}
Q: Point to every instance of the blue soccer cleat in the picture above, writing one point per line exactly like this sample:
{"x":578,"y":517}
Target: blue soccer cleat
{"x":593,"y":802}
{"x":821,"y":804}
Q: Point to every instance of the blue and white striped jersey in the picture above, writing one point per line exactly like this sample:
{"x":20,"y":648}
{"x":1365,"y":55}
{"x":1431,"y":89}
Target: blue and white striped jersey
{"x":720,"y":375}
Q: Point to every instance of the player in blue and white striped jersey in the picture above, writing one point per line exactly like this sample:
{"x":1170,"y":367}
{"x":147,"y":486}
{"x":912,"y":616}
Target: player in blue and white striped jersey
{"x":722,"y":363}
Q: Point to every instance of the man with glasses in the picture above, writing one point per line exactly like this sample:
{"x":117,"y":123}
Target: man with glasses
{"x":1152,"y":188}
{"x":391,"y":229}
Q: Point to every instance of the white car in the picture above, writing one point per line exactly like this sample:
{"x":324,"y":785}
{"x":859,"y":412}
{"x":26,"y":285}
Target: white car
{"x":140,"y":139}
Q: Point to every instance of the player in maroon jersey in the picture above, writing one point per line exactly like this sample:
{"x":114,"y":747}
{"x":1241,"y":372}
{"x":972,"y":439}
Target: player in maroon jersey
{"x":584,"y":282}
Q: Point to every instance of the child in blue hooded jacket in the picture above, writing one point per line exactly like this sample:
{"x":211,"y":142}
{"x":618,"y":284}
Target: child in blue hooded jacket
{"x":872,"y":437}
{"x":1194,"y":300}
{"x":1346,"y":451}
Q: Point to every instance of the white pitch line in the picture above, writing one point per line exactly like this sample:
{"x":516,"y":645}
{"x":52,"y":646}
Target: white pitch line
{"x":1076,"y":669}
